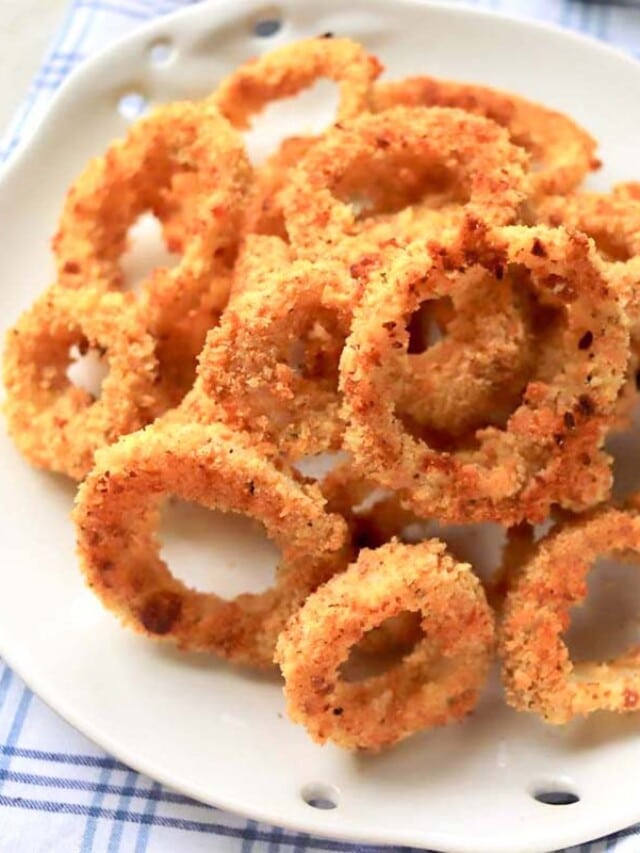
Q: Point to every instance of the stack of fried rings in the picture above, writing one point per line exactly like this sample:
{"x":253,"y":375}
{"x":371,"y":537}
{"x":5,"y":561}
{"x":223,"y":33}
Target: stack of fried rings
{"x":424,"y":289}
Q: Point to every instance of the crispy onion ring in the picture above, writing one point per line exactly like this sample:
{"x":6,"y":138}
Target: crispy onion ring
{"x":550,"y":449}
{"x":280,"y":74}
{"x":271,"y":367}
{"x":215,"y":468}
{"x":476,"y":373}
{"x":436,"y":683}
{"x":537,"y":670}
{"x":284,"y":72}
{"x":181,"y":140}
{"x":57,"y":425}
{"x":613,"y":222}
{"x":562,"y":151}
{"x":395,"y":154}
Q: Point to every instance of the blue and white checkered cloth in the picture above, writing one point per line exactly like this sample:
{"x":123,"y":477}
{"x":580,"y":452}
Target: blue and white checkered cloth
{"x":58,"y":792}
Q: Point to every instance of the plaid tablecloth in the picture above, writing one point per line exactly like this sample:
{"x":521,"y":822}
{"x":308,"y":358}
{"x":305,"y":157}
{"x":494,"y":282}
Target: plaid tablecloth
{"x":58,"y":792}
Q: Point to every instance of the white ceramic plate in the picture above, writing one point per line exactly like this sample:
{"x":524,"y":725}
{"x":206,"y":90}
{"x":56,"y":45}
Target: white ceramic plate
{"x":220,"y":734}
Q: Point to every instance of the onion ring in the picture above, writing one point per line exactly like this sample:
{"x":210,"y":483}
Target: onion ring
{"x":283,"y":73}
{"x":613,"y":222}
{"x":213,"y":467}
{"x":436,"y":683}
{"x":538,"y":673}
{"x":289,"y":69}
{"x":254,"y":367}
{"x":57,"y":425}
{"x":181,"y":139}
{"x":397,"y":152}
{"x":549,"y":451}
{"x":563,"y":152}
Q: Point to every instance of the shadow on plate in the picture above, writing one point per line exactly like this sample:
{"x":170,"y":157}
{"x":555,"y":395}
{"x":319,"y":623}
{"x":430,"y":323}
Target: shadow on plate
{"x":602,"y":728}
{"x":201,"y":661}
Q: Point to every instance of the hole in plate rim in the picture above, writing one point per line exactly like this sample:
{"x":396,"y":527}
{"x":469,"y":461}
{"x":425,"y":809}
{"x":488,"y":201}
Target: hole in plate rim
{"x":267,"y":23}
{"x":558,"y":791}
{"x":132,"y":104}
{"x":161,"y":51}
{"x":321,"y":796}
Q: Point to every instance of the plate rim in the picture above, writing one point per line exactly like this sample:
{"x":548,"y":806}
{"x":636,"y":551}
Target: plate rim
{"x":148,"y":28}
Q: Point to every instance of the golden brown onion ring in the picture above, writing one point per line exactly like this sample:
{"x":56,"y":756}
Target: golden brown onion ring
{"x":613,"y":222}
{"x":562,"y":152}
{"x":181,"y":139}
{"x":283,"y":73}
{"x":436,"y":683}
{"x":185,"y":140}
{"x":289,"y":69}
{"x":550,"y":451}
{"x":474,"y":376}
{"x":57,"y":425}
{"x":391,"y":157}
{"x":271,"y":367}
{"x":537,"y":670}
{"x":117,"y":515}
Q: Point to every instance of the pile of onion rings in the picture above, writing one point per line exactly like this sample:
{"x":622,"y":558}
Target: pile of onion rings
{"x":424,"y":292}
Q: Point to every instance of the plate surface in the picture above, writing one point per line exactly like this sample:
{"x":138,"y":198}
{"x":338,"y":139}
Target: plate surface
{"x":220,"y":734}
